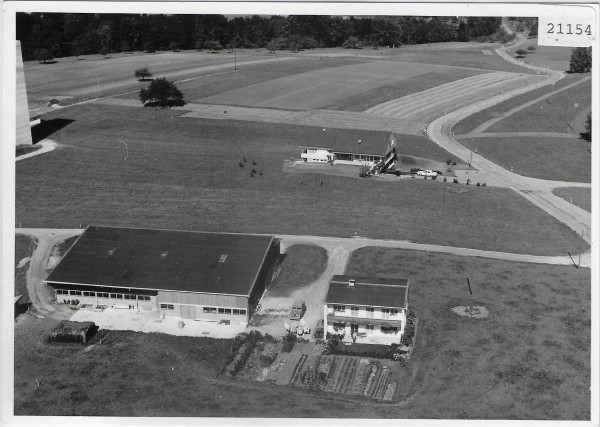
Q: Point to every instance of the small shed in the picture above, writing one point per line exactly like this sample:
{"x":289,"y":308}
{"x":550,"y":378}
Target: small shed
{"x":78,"y":332}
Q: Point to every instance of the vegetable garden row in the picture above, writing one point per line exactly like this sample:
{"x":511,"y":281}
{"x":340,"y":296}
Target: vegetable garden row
{"x":335,"y":374}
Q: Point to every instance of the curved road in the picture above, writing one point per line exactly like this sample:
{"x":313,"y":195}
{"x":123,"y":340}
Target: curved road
{"x":537,"y":191}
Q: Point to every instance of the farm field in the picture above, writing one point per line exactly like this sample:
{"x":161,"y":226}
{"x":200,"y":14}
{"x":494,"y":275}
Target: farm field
{"x":581,"y":197}
{"x":470,"y":123}
{"x":460,"y":367}
{"x":320,"y":88}
{"x":188,"y":177}
{"x":212,"y":84}
{"x":553,"y":158}
{"x":555,"y":114}
{"x":72,"y":77}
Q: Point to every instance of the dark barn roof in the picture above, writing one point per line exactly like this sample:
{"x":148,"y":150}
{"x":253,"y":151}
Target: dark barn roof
{"x":376,"y":292}
{"x":346,"y":140}
{"x":164,"y":259}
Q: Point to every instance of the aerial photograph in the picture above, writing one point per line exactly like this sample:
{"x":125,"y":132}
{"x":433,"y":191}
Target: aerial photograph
{"x":301,"y":216}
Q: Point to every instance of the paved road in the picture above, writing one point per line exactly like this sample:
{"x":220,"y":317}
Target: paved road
{"x":538,"y":192}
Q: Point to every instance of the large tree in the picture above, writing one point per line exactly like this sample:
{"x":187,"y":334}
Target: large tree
{"x":161,"y":93}
{"x":581,"y":60}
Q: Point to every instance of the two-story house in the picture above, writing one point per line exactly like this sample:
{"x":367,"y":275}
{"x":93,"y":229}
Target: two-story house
{"x":366,"y":309}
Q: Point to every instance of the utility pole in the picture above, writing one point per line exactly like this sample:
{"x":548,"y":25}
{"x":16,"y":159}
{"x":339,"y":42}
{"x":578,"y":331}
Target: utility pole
{"x":579,"y":263}
{"x":98,"y":86}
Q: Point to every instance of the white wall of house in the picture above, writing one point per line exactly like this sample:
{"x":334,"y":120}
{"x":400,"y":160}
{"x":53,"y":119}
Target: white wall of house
{"x":320,"y":155}
{"x":358,"y":313}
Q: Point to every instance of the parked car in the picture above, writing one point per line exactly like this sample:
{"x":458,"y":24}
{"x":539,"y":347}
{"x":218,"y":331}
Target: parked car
{"x":426,"y":172}
{"x":298,"y":310}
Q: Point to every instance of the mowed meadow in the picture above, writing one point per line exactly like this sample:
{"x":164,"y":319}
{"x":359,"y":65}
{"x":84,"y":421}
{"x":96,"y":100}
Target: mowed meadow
{"x":147,"y":167}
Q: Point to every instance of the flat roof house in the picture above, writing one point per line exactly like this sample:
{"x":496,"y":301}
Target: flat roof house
{"x":192,"y":275}
{"x":348,"y":146}
{"x":366,"y":309}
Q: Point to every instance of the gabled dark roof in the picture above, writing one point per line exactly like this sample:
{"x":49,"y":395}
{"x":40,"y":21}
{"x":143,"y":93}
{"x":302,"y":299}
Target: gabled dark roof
{"x":368,"y":291}
{"x":347,"y":140}
{"x":164,"y":259}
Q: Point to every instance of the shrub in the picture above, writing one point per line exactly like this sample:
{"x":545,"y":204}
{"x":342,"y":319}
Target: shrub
{"x":414,"y":170}
{"x":468,"y":181}
{"x":531,"y":48}
{"x":445,"y":179}
{"x":520,"y":53}
{"x":478,"y":184}
{"x":254,"y":162}
{"x":241,"y":164}
{"x":266,"y":360}
{"x":455,"y":181}
{"x":483,"y":185}
{"x":581,"y":60}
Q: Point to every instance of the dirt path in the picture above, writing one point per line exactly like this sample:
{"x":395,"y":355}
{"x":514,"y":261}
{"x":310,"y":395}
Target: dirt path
{"x":40,"y":296}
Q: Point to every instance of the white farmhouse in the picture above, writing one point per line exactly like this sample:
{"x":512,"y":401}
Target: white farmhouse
{"x":365,"y":309}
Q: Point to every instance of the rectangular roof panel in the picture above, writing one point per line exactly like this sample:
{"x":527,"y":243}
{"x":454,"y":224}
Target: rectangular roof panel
{"x":164,"y":259}
{"x":368,"y":291}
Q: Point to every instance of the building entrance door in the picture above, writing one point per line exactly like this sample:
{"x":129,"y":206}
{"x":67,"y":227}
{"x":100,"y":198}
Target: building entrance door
{"x":353,"y":328}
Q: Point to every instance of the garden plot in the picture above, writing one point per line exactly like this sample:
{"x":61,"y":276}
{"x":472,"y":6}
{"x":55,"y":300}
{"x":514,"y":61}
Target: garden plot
{"x":351,"y":375}
{"x":320,"y":88}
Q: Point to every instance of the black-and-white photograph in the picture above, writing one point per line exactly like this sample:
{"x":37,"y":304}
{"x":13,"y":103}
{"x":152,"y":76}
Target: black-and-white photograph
{"x":275,"y":214}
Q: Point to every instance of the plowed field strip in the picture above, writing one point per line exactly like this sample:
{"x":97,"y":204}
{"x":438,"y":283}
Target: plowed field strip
{"x":428,"y":104}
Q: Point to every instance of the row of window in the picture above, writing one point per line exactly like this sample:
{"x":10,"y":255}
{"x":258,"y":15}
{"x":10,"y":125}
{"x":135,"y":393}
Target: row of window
{"x":103,"y":295}
{"x":213,"y":310}
{"x":342,"y":325}
{"x":354,"y":310}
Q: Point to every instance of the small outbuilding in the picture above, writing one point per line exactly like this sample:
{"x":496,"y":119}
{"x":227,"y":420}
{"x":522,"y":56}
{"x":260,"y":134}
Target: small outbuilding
{"x":77,"y":332}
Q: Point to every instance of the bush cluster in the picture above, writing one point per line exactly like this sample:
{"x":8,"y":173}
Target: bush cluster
{"x":241,"y":349}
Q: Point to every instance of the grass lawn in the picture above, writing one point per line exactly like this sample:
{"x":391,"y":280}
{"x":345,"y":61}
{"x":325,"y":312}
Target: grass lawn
{"x":26,"y":149}
{"x":553,"y":57}
{"x":183,"y":173}
{"x":469,"y":58}
{"x":24,"y":247}
{"x":554,"y":114}
{"x":302,"y":265}
{"x":561,"y":159}
{"x":528,"y":360}
{"x":581,"y":197}
{"x":471,"y":122}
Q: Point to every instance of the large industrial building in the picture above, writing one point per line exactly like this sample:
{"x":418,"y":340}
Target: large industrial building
{"x":217,"y":277}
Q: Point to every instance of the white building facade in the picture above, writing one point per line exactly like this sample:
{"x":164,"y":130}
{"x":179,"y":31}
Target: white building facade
{"x":366,"y":310}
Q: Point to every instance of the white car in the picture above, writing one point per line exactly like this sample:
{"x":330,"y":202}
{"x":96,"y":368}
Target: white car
{"x":426,"y":172}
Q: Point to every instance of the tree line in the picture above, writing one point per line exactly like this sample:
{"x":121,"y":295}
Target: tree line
{"x":45,"y":35}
